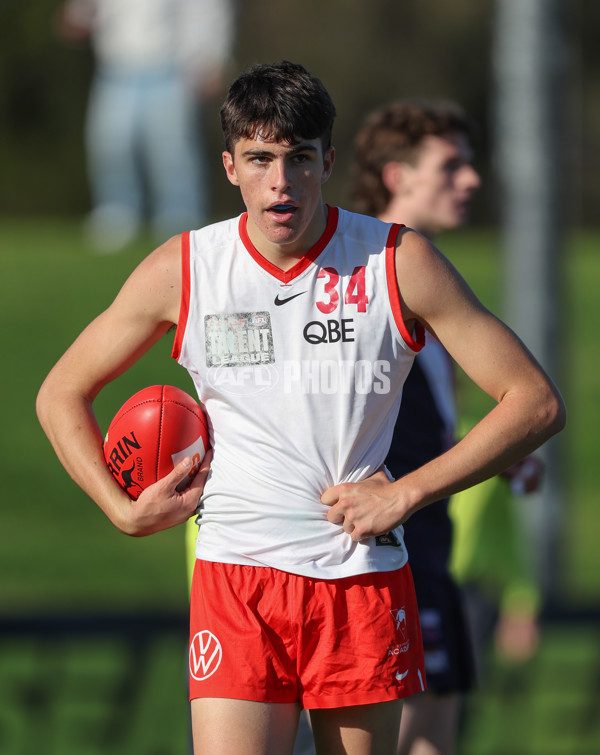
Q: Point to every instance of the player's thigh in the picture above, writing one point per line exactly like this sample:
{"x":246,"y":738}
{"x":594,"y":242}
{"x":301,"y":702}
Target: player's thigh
{"x":358,"y":729}
{"x":222,"y":726}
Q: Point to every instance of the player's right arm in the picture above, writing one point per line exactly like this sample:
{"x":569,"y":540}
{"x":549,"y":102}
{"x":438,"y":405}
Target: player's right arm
{"x":142,"y":312}
{"x":528,"y":407}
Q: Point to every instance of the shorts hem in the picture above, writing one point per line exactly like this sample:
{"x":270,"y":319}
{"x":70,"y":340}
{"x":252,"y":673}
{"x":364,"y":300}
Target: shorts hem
{"x":357,"y":698}
{"x":250,"y":696}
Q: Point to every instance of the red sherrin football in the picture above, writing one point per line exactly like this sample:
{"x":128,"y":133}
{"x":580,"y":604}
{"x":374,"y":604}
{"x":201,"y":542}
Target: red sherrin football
{"x":154,"y":430}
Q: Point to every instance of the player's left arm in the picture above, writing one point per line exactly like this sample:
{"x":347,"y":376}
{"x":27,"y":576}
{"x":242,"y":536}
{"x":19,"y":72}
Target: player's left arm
{"x":528,"y":410}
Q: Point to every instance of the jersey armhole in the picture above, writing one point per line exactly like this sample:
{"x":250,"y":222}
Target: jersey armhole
{"x":417,"y":341}
{"x":184,"y":307}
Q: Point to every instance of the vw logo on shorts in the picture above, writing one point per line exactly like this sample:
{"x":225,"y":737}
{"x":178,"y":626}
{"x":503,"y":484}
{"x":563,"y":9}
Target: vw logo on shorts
{"x":205,"y":655}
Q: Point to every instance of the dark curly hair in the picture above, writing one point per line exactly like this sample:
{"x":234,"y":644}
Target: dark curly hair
{"x":394,"y":133}
{"x":280,"y":101}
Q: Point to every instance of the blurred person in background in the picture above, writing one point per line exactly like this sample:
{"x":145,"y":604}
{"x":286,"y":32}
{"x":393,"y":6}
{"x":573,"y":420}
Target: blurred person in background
{"x":413,"y":165}
{"x":157,"y":63}
{"x":492,"y":561}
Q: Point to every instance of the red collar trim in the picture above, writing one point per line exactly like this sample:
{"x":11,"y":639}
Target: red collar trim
{"x":285,"y":276}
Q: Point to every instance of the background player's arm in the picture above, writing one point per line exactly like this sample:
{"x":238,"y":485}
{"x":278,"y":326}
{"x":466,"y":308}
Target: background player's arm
{"x":145,"y":308}
{"x":528,"y":411}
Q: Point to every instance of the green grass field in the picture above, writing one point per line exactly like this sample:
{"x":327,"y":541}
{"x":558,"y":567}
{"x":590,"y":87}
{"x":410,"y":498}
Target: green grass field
{"x":124,"y":694}
{"x":60,"y":556}
{"x":98,"y":694}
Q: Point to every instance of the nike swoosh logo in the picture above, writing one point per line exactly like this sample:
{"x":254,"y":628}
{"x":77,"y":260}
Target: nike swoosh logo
{"x":279,"y":302}
{"x":400,"y":676}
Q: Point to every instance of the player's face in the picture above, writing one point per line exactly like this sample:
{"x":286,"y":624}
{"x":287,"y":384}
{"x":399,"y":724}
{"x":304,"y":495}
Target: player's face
{"x":439,"y":188}
{"x":281,"y":188}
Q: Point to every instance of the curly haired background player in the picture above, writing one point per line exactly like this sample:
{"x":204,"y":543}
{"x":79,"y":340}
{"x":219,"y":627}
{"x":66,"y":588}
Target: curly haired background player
{"x":298,"y":323}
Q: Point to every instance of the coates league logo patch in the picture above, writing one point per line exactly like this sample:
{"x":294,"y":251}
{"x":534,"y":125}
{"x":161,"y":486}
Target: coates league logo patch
{"x":244,"y":339}
{"x":205,"y":655}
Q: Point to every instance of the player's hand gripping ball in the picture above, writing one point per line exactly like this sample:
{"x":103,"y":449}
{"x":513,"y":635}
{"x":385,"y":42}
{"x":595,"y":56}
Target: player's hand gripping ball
{"x":152,"y":432}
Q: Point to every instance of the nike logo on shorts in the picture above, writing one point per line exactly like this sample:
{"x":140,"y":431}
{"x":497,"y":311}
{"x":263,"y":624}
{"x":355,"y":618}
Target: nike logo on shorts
{"x":279,"y":302}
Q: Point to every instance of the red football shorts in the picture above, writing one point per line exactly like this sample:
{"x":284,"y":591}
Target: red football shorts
{"x":266,"y":635}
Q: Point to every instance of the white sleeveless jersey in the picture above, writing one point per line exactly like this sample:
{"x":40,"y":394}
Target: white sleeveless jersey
{"x":301,"y":375}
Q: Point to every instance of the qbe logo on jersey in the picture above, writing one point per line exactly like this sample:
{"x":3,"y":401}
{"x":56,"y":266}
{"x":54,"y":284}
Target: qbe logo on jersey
{"x":205,"y":655}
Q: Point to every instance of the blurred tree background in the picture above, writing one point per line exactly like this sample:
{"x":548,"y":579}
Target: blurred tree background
{"x":365,"y":52}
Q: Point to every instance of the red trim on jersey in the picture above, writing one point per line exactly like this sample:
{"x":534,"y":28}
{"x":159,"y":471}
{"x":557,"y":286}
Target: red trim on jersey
{"x":285,"y":276}
{"x":416,"y":343}
{"x":184,"y":307}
